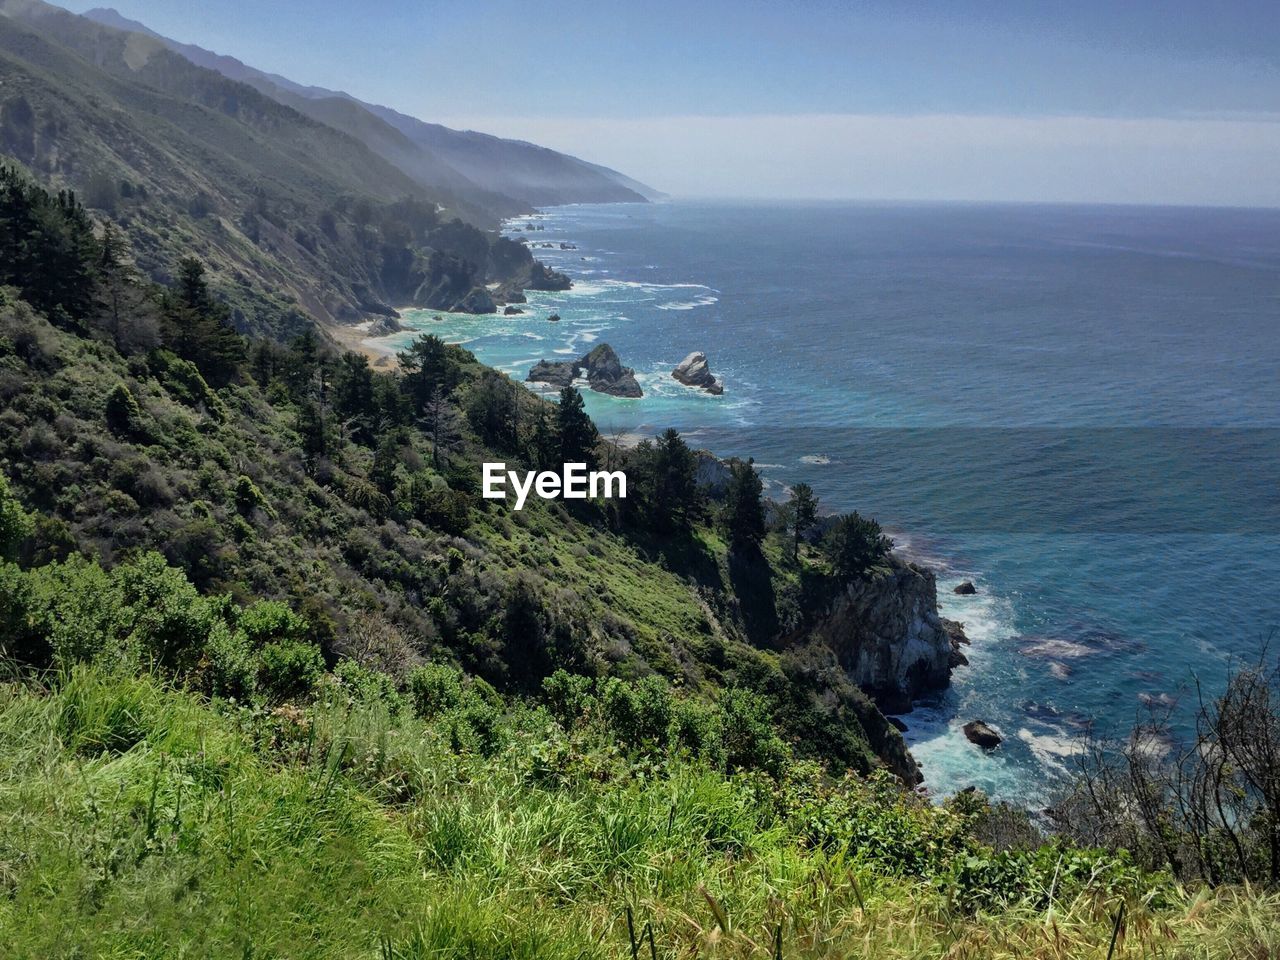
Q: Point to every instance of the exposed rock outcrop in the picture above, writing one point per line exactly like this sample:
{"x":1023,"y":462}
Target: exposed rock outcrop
{"x":602,"y":368}
{"x":559,"y":373}
{"x":511,"y":311}
{"x":886,"y":633}
{"x":956,"y":637}
{"x":966,"y":589}
{"x":981,"y":734}
{"x":542,"y":277}
{"x":384,"y":327}
{"x":694,"y":371}
{"x":606,"y":374}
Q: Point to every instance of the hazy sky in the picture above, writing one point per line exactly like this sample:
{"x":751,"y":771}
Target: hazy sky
{"x":1170,"y":101}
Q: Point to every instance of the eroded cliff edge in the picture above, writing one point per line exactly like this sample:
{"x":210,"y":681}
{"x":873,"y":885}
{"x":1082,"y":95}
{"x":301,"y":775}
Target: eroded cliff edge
{"x":887,"y":635}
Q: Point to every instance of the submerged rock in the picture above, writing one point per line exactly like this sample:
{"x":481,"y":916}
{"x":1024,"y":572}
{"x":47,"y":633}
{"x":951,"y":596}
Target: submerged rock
{"x":554,"y":318}
{"x":694,"y":371}
{"x":983,"y":735}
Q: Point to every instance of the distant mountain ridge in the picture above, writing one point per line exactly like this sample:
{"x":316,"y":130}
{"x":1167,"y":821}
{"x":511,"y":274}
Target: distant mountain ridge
{"x":499,"y":174}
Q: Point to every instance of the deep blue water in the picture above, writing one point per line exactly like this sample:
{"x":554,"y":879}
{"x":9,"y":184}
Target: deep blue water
{"x":1075,"y":407}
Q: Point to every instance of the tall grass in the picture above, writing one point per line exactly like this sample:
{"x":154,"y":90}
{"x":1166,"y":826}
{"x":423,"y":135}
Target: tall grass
{"x":137,"y":822}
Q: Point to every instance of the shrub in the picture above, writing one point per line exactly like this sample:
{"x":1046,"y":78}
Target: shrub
{"x":638,"y":713}
{"x":269,"y":621}
{"x":477,"y":725}
{"x":289,"y":670}
{"x":122,"y":411}
{"x":247,"y":496}
{"x":696,"y":727}
{"x":367,"y":686}
{"x":230,"y":669}
{"x":749,"y":738}
{"x":170,"y":620}
{"x":567,"y":696}
{"x":434,"y":689}
{"x":15,"y":524}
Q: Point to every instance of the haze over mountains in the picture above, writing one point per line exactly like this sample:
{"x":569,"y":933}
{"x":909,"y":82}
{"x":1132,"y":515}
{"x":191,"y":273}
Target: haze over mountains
{"x":436,"y":155}
{"x":306,"y":205}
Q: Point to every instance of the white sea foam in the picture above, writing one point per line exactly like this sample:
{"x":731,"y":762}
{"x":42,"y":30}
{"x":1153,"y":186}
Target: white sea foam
{"x":689,"y":304}
{"x":816,"y":459}
{"x":1052,"y":750}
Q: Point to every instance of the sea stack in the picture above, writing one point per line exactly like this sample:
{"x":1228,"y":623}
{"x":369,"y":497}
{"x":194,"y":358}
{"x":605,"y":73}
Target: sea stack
{"x":606,"y":374}
{"x":694,"y":371}
{"x":602,"y":368}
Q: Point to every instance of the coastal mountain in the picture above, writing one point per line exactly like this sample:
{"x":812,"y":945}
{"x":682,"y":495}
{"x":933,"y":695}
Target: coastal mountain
{"x":298,"y":221}
{"x":496,"y":173}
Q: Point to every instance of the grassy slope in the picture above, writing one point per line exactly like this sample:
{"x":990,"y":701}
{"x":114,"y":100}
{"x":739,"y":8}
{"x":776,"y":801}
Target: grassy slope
{"x":139,"y":822}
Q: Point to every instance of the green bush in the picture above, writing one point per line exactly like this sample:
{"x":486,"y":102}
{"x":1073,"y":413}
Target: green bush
{"x":269,"y":621}
{"x":433,"y":689}
{"x":367,"y":686}
{"x":289,"y":670}
{"x":696,"y":727}
{"x":638,"y":713}
{"x":124,"y":417}
{"x":230,"y":668}
{"x":247,"y":496}
{"x":750,"y":741}
{"x":567,"y":696}
{"x":170,"y":620}
{"x":15,"y":523}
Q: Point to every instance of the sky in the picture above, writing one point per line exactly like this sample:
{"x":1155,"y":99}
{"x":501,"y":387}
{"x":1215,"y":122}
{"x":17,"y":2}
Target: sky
{"x":1120,"y":101}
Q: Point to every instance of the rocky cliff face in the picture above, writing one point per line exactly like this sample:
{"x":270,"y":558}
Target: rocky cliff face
{"x":888,"y":637}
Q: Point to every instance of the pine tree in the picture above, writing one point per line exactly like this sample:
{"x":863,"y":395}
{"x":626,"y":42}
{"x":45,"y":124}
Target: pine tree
{"x":744,"y":509}
{"x":353,"y":400}
{"x":675,"y":491}
{"x":198,"y":329}
{"x":578,"y":436}
{"x":47,"y":248}
{"x":804,"y":512}
{"x":430,"y":370}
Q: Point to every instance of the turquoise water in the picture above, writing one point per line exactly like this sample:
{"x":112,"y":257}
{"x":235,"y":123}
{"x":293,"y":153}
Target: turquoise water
{"x":1075,"y":407}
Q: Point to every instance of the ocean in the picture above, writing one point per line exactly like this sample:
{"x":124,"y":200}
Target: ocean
{"x":1076,"y":408}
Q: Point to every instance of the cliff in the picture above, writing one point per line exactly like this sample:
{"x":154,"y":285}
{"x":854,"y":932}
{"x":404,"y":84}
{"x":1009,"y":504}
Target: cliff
{"x":887,"y":635}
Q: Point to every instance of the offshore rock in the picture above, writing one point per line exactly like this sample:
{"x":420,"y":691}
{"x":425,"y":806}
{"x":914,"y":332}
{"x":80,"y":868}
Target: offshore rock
{"x":606,"y":374}
{"x":694,"y":371}
{"x":981,"y":734}
{"x":602,"y":368}
{"x":559,"y":373}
